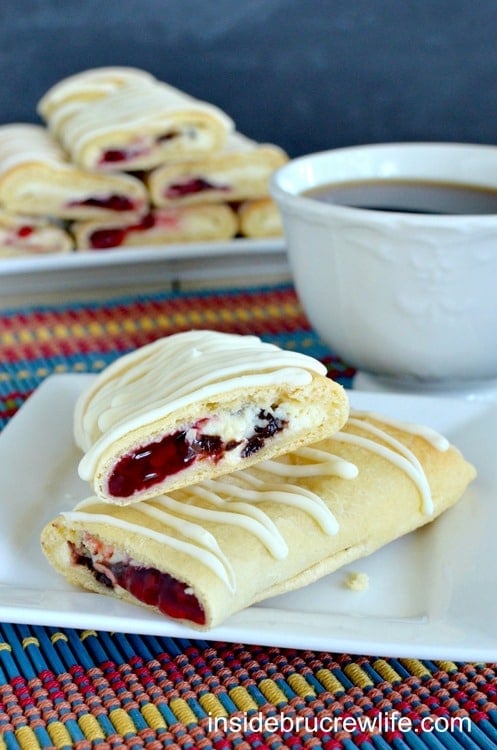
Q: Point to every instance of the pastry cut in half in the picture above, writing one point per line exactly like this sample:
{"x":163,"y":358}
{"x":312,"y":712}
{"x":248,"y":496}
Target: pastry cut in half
{"x":31,"y":235}
{"x":239,"y":172}
{"x":195,"y":405}
{"x":160,"y":226}
{"x":138,"y":126}
{"x":202,"y":553}
{"x":37,"y":178}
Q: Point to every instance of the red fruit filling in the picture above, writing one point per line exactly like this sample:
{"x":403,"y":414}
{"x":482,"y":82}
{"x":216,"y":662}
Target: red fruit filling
{"x":148,"y":585}
{"x":113,"y":203}
{"x":195,"y":185}
{"x":116,"y":155}
{"x":153,"y":463}
{"x":25,"y":231}
{"x":102,"y":239}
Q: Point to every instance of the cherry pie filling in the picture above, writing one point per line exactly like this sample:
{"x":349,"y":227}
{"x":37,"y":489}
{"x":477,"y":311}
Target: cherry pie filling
{"x":118,"y":155}
{"x":25,"y":231}
{"x":117,"y":203}
{"x":101,"y":239}
{"x":171,"y":596}
{"x":154,"y":462}
{"x":190,"y":187}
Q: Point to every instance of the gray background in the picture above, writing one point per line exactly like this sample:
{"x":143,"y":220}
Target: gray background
{"x":308,"y":75}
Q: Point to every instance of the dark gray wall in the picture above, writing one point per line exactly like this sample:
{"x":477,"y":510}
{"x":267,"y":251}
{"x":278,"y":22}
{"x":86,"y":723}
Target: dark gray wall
{"x":307,"y":74}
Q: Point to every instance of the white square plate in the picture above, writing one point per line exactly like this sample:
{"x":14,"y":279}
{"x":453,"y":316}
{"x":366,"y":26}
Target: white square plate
{"x":432,"y":594}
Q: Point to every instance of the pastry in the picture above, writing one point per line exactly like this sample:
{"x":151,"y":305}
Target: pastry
{"x":160,"y":226}
{"x":138,"y":126}
{"x":195,"y":405}
{"x":239,"y":172}
{"x":88,"y":86}
{"x":31,"y":235}
{"x":204,"y":552}
{"x":36,"y":178}
{"x":259,"y":218}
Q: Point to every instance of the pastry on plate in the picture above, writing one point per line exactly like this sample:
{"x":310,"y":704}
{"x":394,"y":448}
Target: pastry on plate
{"x":259,"y":218}
{"x":88,"y":86}
{"x":160,"y":226}
{"x":202,"y":553}
{"x":195,"y":405}
{"x":240,"y":171}
{"x":138,"y":126}
{"x":37,"y":178}
{"x":31,"y":235}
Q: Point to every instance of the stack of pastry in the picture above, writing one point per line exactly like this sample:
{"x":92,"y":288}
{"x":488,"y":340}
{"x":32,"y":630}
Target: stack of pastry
{"x":226,"y":470}
{"x":124,"y":159}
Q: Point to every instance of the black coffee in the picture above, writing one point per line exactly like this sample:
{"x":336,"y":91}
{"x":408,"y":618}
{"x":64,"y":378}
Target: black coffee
{"x":409,"y":196}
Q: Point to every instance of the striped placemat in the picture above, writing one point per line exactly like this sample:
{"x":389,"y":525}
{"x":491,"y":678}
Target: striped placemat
{"x":84,"y":689}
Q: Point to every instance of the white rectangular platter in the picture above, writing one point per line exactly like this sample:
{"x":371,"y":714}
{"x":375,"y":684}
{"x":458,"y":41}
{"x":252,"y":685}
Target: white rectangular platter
{"x":165,"y":264}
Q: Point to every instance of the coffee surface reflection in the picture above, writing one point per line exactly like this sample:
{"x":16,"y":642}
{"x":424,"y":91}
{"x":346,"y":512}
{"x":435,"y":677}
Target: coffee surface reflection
{"x":409,"y":196}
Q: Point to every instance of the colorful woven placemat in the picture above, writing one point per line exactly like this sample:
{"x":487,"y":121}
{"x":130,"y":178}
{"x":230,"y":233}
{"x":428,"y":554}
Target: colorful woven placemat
{"x":63,"y":688}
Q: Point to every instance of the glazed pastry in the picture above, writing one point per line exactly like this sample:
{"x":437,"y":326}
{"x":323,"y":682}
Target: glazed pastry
{"x":31,"y":235}
{"x":88,"y":86}
{"x":202,"y":553}
{"x":137,"y":127}
{"x":36,"y":178}
{"x":196,"y":405}
{"x":160,"y":226}
{"x":259,"y":218}
{"x":239,"y":172}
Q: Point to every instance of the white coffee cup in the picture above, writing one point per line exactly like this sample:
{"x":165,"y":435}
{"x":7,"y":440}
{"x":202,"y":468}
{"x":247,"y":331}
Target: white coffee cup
{"x":410,"y":298}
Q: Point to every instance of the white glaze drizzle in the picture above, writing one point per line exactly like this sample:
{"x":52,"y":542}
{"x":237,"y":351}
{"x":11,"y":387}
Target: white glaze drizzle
{"x":320,"y":463}
{"x":245,"y":515}
{"x":285,"y":494}
{"x":89,"y":85}
{"x":234,"y":499}
{"x":138,"y":111}
{"x":438,"y":441}
{"x":400,"y":456}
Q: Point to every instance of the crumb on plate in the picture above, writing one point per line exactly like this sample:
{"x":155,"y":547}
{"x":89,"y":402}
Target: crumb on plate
{"x":357,"y":581}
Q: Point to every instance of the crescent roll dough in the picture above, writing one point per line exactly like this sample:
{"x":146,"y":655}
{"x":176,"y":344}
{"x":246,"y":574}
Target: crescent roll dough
{"x":36,"y":178}
{"x":202,"y":553}
{"x":240,"y":171}
{"x":160,"y":226}
{"x":138,"y":126}
{"x":196,"y":405}
{"x":31,"y":235}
